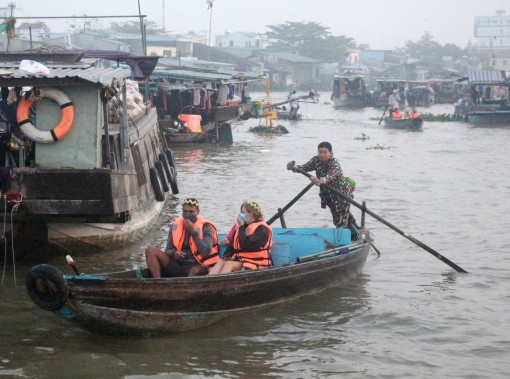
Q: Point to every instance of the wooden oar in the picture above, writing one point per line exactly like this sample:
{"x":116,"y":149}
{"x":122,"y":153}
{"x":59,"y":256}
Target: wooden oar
{"x":391,"y":226}
{"x":382,"y":116}
{"x":290,"y":204}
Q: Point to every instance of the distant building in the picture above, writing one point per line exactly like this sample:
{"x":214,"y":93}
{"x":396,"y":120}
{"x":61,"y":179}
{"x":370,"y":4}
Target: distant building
{"x":241,"y":39}
{"x":493,"y":32}
{"x":36,"y":31}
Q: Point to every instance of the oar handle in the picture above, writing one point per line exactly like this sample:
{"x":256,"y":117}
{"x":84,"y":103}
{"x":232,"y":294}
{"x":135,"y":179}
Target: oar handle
{"x":391,"y":226}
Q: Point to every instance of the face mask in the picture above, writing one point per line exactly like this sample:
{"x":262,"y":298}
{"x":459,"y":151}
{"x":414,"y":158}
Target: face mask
{"x":189,"y":216}
{"x":243,"y":217}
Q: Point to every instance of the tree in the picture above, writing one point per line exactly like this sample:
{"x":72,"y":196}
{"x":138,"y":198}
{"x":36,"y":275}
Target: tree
{"x":151,"y":27}
{"x":309,"y":39}
{"x":431,"y":51}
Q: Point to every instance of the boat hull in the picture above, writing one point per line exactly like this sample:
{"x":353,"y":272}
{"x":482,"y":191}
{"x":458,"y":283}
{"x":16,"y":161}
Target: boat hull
{"x":130,"y":302}
{"x":406,"y":123}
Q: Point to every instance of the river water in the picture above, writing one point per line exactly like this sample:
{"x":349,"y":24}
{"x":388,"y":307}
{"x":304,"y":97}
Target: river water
{"x":407,"y":315}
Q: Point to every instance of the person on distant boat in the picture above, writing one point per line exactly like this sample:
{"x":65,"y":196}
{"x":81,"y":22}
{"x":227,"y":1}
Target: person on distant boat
{"x":413,"y":113}
{"x":250,"y":245}
{"x":393,"y":101}
{"x":294,"y":105}
{"x":396,"y":115}
{"x":192,"y":246}
{"x":328,"y":171}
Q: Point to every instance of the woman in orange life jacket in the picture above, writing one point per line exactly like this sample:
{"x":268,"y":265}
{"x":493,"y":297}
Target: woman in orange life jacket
{"x":251,"y":244}
{"x":396,"y":114}
{"x":192,"y":246}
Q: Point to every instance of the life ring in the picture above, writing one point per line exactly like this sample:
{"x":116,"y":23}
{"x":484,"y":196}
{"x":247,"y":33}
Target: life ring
{"x":156,"y":185}
{"x":60,"y":130}
{"x":162,"y":176}
{"x":47,"y":287}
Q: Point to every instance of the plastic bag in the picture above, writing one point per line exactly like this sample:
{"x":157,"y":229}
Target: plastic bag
{"x":28,"y":67}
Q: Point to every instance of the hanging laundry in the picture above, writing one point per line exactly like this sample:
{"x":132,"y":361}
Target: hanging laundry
{"x":230,"y":92}
{"x":223,"y":94}
{"x":196,"y":97}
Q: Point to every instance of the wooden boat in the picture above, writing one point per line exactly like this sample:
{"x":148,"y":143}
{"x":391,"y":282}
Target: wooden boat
{"x":99,"y":182}
{"x":349,"y":87}
{"x":306,"y":260}
{"x":403,"y":123}
{"x":487,"y":103}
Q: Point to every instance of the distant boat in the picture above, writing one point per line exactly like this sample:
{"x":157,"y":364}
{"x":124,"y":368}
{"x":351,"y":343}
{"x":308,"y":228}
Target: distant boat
{"x":349,"y":87}
{"x":487,"y":101}
{"x":403,"y":123}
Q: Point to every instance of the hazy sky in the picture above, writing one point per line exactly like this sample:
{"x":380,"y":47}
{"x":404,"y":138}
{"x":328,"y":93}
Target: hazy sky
{"x":382,"y":24}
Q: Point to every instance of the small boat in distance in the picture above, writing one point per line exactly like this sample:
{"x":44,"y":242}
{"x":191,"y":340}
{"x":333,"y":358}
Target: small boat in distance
{"x":349,"y":87}
{"x":403,"y":123}
{"x":306,"y":260}
{"x":487,"y":100}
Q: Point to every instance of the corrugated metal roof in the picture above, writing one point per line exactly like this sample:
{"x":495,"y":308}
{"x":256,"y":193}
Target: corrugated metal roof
{"x":186,"y":75}
{"x":104,"y":76}
{"x":489,"y":77}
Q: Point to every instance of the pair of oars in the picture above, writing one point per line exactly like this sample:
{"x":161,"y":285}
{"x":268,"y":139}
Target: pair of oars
{"x":374,"y":215}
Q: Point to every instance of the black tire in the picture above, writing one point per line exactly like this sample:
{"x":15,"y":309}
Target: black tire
{"x":166,"y":166}
{"x":47,"y":287}
{"x":162,"y":176}
{"x":170,"y":158}
{"x":156,"y":185}
{"x":173,"y":181}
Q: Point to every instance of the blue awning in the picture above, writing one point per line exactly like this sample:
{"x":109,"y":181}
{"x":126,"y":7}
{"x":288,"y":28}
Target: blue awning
{"x":487,"y":77}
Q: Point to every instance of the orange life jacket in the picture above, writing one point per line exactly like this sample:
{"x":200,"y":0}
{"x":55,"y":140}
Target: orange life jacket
{"x":254,"y":259}
{"x":414,"y":115}
{"x":396,"y":115}
{"x":178,"y":233}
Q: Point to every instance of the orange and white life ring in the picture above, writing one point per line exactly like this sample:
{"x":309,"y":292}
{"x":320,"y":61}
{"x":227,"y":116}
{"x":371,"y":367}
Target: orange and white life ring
{"x":60,"y":130}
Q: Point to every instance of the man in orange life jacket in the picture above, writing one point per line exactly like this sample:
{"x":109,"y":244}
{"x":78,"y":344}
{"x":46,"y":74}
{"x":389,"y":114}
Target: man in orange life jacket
{"x":192,"y":246}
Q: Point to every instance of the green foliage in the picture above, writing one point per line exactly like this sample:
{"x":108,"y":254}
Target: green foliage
{"x":310,"y":39}
{"x":151,"y":27}
{"x":429,"y":50}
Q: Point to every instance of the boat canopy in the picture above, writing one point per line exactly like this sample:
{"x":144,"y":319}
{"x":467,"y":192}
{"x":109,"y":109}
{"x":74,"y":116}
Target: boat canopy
{"x":487,"y":77}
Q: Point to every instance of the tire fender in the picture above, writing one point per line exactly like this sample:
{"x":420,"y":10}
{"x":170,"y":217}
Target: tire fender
{"x":47,"y":287}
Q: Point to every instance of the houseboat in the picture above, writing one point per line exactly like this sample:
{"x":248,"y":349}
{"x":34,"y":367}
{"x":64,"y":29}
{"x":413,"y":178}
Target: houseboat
{"x":486,"y":102}
{"x":82,"y":155}
{"x":195,"y":105}
{"x":349,"y":87}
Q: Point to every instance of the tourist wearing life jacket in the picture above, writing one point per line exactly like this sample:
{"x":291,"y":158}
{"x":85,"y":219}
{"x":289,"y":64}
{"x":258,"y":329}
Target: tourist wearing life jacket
{"x":396,"y":114}
{"x":413,"y":113}
{"x":192,"y":246}
{"x":250,"y":247}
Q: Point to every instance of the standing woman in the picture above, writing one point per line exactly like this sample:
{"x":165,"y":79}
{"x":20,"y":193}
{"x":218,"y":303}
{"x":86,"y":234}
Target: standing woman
{"x":250,"y":248}
{"x":328,"y":171}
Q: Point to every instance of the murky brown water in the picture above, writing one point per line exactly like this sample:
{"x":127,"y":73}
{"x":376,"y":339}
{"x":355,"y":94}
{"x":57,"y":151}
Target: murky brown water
{"x":408,"y":315}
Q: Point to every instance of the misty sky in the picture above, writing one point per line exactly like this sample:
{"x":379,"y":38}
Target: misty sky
{"x":382,"y":24}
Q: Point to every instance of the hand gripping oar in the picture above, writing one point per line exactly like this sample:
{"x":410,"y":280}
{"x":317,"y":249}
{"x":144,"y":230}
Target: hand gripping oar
{"x":379,"y":218}
{"x":290,"y":204}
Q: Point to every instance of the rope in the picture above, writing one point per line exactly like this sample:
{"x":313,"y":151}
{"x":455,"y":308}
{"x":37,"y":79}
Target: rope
{"x":14,"y":209}
{"x":5,"y":241}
